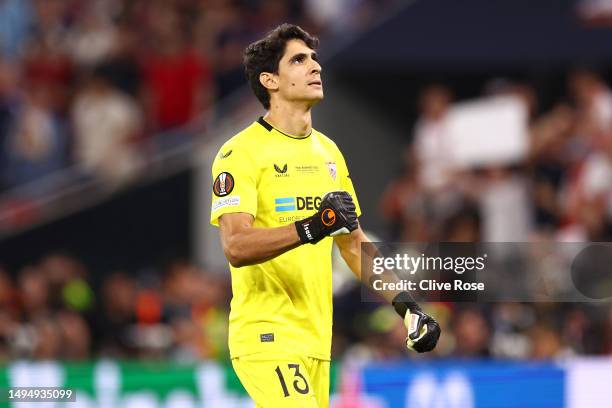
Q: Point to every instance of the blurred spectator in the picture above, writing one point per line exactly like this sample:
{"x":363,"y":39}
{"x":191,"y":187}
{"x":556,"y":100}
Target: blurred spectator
{"x":35,"y":144}
{"x":215,"y":16}
{"x":45,"y":64}
{"x":117,"y":312}
{"x":510,"y":323}
{"x":9,"y":309}
{"x":593,"y":102}
{"x":34,"y":290}
{"x":7,"y":96}
{"x":229,"y":70}
{"x":472,"y":334}
{"x":325,"y":12}
{"x":575,"y":327}
{"x":332,"y":14}
{"x":106,"y":122}
{"x":177,"y":80}
{"x":8,"y":294}
{"x":505,"y":192}
{"x":432,"y":158}
{"x":545,"y":342}
{"x":548,"y":157}
{"x":504,"y":189}
{"x":121,"y":67}
{"x":588,"y":186}
{"x":93,"y":37}
{"x":403,"y":204}
{"x":75,"y":335}
{"x":463,"y":225}
{"x":46,"y":338}
{"x":590,"y":193}
{"x":68,"y":283}
{"x":270,"y":11}
{"x":15,"y":20}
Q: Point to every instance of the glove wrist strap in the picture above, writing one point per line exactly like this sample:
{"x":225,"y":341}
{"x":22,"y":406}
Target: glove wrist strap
{"x":308,"y":230}
{"x":402,"y":302}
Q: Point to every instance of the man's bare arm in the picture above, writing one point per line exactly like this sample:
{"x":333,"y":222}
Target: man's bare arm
{"x":244,"y":244}
{"x":350,"y":249}
{"x":420,"y":338}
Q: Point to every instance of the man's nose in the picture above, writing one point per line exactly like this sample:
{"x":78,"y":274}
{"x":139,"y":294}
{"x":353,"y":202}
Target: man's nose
{"x":316,"y":67}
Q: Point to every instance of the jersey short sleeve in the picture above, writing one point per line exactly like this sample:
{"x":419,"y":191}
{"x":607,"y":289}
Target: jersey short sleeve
{"x":346,"y":182}
{"x":234,"y":183}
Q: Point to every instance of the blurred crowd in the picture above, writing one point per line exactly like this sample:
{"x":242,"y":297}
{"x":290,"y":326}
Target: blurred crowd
{"x":55,"y":309}
{"x":561,"y":191}
{"x":84,"y":82}
{"x":502,"y":330}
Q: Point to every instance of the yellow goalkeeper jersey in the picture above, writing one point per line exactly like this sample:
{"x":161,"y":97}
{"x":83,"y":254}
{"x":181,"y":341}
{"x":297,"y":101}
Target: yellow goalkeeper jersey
{"x":284,"y":303}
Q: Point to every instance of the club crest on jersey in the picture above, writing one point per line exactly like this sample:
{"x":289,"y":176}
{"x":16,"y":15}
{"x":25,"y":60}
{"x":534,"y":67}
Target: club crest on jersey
{"x":223,"y":185}
{"x":331,"y":167}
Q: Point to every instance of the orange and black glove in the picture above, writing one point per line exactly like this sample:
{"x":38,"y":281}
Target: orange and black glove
{"x":336,"y":216}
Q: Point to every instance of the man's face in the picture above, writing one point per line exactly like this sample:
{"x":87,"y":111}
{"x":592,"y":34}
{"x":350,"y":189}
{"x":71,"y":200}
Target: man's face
{"x":299,"y":74}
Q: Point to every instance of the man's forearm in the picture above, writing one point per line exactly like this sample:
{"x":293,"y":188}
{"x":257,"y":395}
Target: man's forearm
{"x":244,"y":244}
{"x":423,"y":330}
{"x":369,"y":254}
{"x":256,"y":245}
{"x":351,"y":251}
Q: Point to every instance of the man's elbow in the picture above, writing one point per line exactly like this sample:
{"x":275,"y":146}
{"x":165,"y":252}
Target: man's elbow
{"x":236,"y":255}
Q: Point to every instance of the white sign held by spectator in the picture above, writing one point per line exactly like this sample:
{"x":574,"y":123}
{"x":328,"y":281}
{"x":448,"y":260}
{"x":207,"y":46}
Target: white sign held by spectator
{"x":488,"y":132}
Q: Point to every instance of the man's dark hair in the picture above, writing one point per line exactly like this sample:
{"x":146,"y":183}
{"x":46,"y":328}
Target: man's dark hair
{"x":264,"y":55}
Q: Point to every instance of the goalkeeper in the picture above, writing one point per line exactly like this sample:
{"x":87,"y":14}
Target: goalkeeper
{"x":281,"y":189}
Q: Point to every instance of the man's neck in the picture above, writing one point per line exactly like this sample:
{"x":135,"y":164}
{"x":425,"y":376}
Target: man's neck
{"x":292,"y":120}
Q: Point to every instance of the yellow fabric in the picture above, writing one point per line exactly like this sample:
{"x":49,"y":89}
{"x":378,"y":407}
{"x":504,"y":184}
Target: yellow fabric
{"x":284,"y":380}
{"x":285,"y":303}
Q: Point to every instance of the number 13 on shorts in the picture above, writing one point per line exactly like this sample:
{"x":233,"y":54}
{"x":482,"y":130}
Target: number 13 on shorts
{"x":300,"y":383}
{"x":277,"y":381}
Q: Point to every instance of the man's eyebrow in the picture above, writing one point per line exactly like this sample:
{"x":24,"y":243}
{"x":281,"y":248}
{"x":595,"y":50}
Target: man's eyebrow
{"x":313,"y":55}
{"x":298,"y":55}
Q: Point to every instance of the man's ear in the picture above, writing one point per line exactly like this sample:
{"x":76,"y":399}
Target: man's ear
{"x":269,"y":81}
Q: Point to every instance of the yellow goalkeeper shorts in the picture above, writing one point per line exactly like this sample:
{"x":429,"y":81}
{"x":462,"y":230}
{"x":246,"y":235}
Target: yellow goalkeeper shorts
{"x":276,"y":380}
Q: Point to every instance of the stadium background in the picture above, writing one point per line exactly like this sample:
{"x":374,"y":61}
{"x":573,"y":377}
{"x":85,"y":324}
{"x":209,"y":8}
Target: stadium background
{"x":111,"y":280}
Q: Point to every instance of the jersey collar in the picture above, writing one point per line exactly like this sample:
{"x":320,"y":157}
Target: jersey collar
{"x":269,"y":128}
